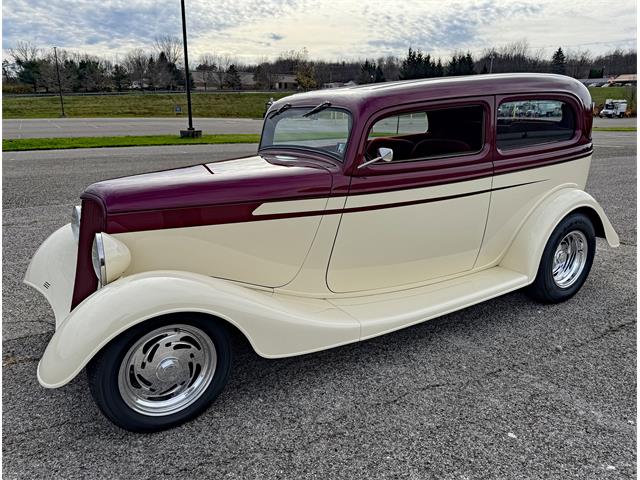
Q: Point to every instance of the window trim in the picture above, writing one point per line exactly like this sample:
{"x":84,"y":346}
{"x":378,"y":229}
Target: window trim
{"x":436,"y":161}
{"x":543,"y":146}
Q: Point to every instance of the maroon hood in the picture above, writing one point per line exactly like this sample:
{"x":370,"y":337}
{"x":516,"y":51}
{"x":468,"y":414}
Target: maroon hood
{"x":251,"y":179}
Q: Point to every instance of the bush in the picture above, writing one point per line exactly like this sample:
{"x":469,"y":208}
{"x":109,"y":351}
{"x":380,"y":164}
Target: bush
{"x":16,"y":88}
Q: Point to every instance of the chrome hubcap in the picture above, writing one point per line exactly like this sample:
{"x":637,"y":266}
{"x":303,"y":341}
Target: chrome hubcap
{"x":167,"y":370}
{"x":569,"y":259}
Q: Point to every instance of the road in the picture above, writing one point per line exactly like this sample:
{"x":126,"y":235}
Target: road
{"x":507,"y":389}
{"x":106,"y":127}
{"x":92,"y":127}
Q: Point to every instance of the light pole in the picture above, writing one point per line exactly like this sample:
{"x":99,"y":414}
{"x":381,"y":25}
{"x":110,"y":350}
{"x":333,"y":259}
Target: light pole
{"x":190,"y":131}
{"x":55,"y":54}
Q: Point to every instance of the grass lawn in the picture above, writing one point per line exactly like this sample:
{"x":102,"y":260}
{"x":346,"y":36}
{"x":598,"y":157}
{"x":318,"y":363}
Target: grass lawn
{"x":615,"y":129}
{"x":238,"y":105}
{"x":16,"y":145}
{"x":599,"y":94}
{"x":225,"y":104}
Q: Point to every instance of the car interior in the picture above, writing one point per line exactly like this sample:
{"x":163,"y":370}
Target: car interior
{"x":523,"y":129}
{"x":446,"y":132}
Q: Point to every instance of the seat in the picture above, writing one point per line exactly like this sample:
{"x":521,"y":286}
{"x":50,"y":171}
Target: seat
{"x":438,"y":146}
{"x":401,"y":148}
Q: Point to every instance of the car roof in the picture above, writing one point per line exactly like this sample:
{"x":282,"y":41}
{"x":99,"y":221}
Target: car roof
{"x":374,"y":96}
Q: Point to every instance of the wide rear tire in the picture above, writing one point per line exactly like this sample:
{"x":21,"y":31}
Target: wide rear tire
{"x":566,"y":260}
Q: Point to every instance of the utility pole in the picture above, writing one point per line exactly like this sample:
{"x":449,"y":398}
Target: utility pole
{"x":491,"y":64}
{"x":55,"y":54}
{"x":189,"y":132}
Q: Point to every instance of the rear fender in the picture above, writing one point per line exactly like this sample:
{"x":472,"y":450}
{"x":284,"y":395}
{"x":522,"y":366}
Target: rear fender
{"x":275,"y":325}
{"x":525,"y":252}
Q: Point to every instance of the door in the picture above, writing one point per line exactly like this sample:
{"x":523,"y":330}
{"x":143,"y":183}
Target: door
{"x":422,"y":215}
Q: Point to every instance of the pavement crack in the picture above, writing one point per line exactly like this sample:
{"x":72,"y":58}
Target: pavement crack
{"x":9,"y":360}
{"x":608,"y":331}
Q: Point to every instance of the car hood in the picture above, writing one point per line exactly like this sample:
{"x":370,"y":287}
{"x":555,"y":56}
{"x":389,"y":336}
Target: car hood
{"x":251,"y":179}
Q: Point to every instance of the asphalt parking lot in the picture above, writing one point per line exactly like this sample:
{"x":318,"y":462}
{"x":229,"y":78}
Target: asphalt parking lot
{"x":507,"y":389}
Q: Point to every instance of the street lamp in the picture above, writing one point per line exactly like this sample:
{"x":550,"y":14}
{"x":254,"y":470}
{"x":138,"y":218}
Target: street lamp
{"x":55,"y":54}
{"x":190,"y":132}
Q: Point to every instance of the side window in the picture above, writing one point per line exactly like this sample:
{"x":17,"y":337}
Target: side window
{"x":430,"y":133}
{"x":531,"y":122}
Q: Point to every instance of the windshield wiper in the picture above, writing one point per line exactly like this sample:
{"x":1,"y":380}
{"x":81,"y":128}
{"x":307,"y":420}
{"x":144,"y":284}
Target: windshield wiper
{"x":317,"y":109}
{"x":284,"y":107}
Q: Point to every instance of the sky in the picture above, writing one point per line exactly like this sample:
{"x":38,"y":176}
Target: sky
{"x":249,"y":30}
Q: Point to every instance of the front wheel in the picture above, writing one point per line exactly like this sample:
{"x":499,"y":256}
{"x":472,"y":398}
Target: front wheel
{"x":566,"y":260}
{"x":159,"y":374}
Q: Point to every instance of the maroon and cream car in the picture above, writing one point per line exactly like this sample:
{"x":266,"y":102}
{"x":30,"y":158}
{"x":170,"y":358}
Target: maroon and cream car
{"x":365,"y":210}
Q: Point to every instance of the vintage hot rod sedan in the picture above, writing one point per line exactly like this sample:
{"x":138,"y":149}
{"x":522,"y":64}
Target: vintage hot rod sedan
{"x":365,"y":210}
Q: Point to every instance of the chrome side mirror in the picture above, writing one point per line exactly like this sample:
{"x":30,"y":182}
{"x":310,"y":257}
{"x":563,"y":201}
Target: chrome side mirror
{"x":384,"y":154}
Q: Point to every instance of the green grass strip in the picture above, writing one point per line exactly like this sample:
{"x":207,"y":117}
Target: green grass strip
{"x":615,"y":129}
{"x":21,"y":144}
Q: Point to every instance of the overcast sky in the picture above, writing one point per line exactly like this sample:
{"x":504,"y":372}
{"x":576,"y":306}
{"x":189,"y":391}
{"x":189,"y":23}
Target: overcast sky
{"x":250,"y":29}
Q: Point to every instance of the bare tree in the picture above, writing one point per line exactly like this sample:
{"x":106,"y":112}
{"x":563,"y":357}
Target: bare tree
{"x":207,"y":68}
{"x":222,"y":62}
{"x":578,"y":63}
{"x":24,"y":52}
{"x":137,"y":64}
{"x":171,"y":46}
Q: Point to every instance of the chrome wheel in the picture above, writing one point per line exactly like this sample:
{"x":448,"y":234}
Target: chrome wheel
{"x":570,"y":258}
{"x":167,"y":370}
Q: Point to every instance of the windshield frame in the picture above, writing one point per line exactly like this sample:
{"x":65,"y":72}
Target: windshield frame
{"x":306,"y":148}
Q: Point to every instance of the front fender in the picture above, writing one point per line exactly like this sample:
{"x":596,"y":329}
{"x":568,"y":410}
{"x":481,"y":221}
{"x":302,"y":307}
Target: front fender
{"x":275,"y":325}
{"x":526,"y":250}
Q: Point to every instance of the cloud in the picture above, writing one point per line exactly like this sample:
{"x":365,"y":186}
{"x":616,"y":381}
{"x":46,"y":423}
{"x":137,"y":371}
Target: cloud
{"x":249,"y":29}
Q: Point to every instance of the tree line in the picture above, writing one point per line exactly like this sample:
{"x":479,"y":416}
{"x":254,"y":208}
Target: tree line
{"x":31,"y":69}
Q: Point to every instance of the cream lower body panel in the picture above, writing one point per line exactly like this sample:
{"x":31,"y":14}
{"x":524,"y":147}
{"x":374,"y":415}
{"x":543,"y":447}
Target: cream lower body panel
{"x":266,"y":253}
{"x":511,"y":207}
{"x":403,"y":245}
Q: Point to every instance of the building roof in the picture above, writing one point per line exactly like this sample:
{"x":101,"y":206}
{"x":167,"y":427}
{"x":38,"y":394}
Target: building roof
{"x":364,"y":99}
{"x":627,"y":77}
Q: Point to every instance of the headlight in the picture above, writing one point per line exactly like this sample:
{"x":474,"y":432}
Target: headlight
{"x":98,"y":259}
{"x":110,"y":258}
{"x":75,"y":222}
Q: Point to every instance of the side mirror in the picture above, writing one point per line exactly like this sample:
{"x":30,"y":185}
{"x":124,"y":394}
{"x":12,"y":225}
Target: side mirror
{"x":384,"y":154}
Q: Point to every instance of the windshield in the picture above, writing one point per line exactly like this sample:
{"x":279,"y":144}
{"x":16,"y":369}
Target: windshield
{"x":326,"y":131}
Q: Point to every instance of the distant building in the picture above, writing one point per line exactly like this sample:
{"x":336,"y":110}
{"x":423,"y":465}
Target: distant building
{"x":285,"y":81}
{"x":594,"y":82}
{"x":209,"y":81}
{"x":627,"y":78}
{"x":350,"y":83}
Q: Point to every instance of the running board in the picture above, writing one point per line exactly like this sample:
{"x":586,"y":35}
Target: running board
{"x":382,"y":313}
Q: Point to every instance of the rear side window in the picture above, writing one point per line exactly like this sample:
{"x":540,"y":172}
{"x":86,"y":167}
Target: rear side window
{"x":428,"y":134}
{"x":532,"y":122}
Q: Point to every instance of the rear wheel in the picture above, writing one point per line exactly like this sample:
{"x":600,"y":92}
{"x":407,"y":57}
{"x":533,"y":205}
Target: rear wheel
{"x":160,"y":374}
{"x":566,"y":260}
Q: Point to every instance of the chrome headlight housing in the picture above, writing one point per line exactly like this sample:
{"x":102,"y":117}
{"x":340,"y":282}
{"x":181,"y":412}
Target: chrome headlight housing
{"x":75,"y":222}
{"x":99,"y":260}
{"x":110,"y":258}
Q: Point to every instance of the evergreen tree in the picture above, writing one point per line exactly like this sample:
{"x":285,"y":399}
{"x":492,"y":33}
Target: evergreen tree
{"x":558,"y":62}
{"x":233,"y":78}
{"x":119,"y":77}
{"x":379,"y":75}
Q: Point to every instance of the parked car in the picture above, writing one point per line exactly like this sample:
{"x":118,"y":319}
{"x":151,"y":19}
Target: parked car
{"x":365,"y":210}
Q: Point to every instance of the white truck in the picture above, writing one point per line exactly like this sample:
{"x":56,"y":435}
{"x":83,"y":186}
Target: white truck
{"x":613,"y":108}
